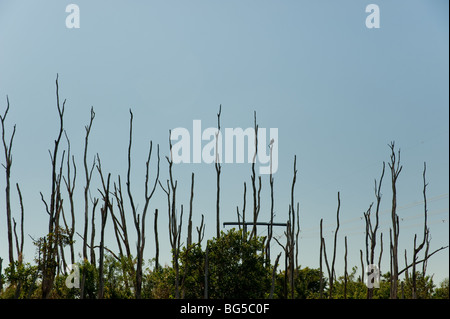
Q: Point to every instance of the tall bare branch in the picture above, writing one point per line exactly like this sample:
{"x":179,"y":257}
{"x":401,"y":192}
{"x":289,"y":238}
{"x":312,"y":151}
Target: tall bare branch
{"x":7,"y":146}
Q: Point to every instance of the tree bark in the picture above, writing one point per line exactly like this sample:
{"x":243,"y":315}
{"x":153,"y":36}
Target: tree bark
{"x":104,"y":216}
{"x":7,"y":146}
{"x":218,"y":167}
{"x":139,"y":222}
{"x":189,"y":237}
{"x":395,"y":172}
{"x":49,"y":264}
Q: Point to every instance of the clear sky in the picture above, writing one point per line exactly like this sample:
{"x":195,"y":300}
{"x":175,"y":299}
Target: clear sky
{"x":337,"y":91}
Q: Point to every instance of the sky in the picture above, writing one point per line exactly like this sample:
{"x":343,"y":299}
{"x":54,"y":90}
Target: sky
{"x":337,"y":91}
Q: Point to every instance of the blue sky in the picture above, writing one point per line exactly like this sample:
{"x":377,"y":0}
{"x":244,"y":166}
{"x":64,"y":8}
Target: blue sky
{"x":337,"y":91}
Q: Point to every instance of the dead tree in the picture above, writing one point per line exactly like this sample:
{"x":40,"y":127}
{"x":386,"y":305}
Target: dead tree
{"x":270,"y":229}
{"x":201,"y":231}
{"x":345,"y":269}
{"x":7,"y":146}
{"x":244,"y":225}
{"x":104,"y":216}
{"x":291,"y":234}
{"x":91,"y":249}
{"x":53,"y":210}
{"x":290,"y":241}
{"x":322,"y":243}
{"x":156,"y":239}
{"x":426,"y":232}
{"x":19,"y":247}
{"x":70,"y":186}
{"x":331,"y":272}
{"x":174,"y":223}
{"x":189,"y":237}
{"x":274,"y":272}
{"x":256,"y":193}
{"x":362,"y":264}
{"x":88,"y":176}
{"x":371,"y":232}
{"x":286,"y":257}
{"x":120,"y":225}
{"x":218,"y":167}
{"x":394,"y":231}
{"x":291,"y":231}
{"x":139,"y":222}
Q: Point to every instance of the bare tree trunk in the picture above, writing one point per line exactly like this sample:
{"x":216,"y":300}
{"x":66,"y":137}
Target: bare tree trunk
{"x":20,"y":247}
{"x":320,"y":260}
{"x":286,"y":257}
{"x":174,"y":227}
{"x":8,"y":158}
{"x":104,"y":215}
{"x":218,"y":171}
{"x":122,"y":223}
{"x":88,"y":176}
{"x":70,"y":186}
{"x":381,"y":253}
{"x":395,"y":172}
{"x":256,"y":194}
{"x":331,"y":273}
{"x":371,"y":232}
{"x":201,"y":231}
{"x":345,"y":269}
{"x":293,"y":224}
{"x":156,"y":240}
{"x":362,"y":265}
{"x":189,"y":237}
{"x":140,"y":222}
{"x":274,"y":272}
{"x":426,"y":232}
{"x":270,"y":229}
{"x":49,"y":262}
{"x":91,"y":249}
{"x":244,"y":204}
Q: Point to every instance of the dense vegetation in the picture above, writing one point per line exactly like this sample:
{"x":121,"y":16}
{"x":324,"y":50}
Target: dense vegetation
{"x":237,"y":269}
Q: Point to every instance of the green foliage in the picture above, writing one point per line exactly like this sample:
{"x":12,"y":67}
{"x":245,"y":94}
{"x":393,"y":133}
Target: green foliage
{"x":424,"y":286}
{"x":60,"y":290}
{"x":353,"y":289}
{"x":21,"y":280}
{"x":192,"y":272}
{"x":119,"y":277}
{"x":237,"y":267}
{"x":443,"y":291}
{"x":307,"y":283}
{"x":89,"y":273}
{"x":158,"y":283}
